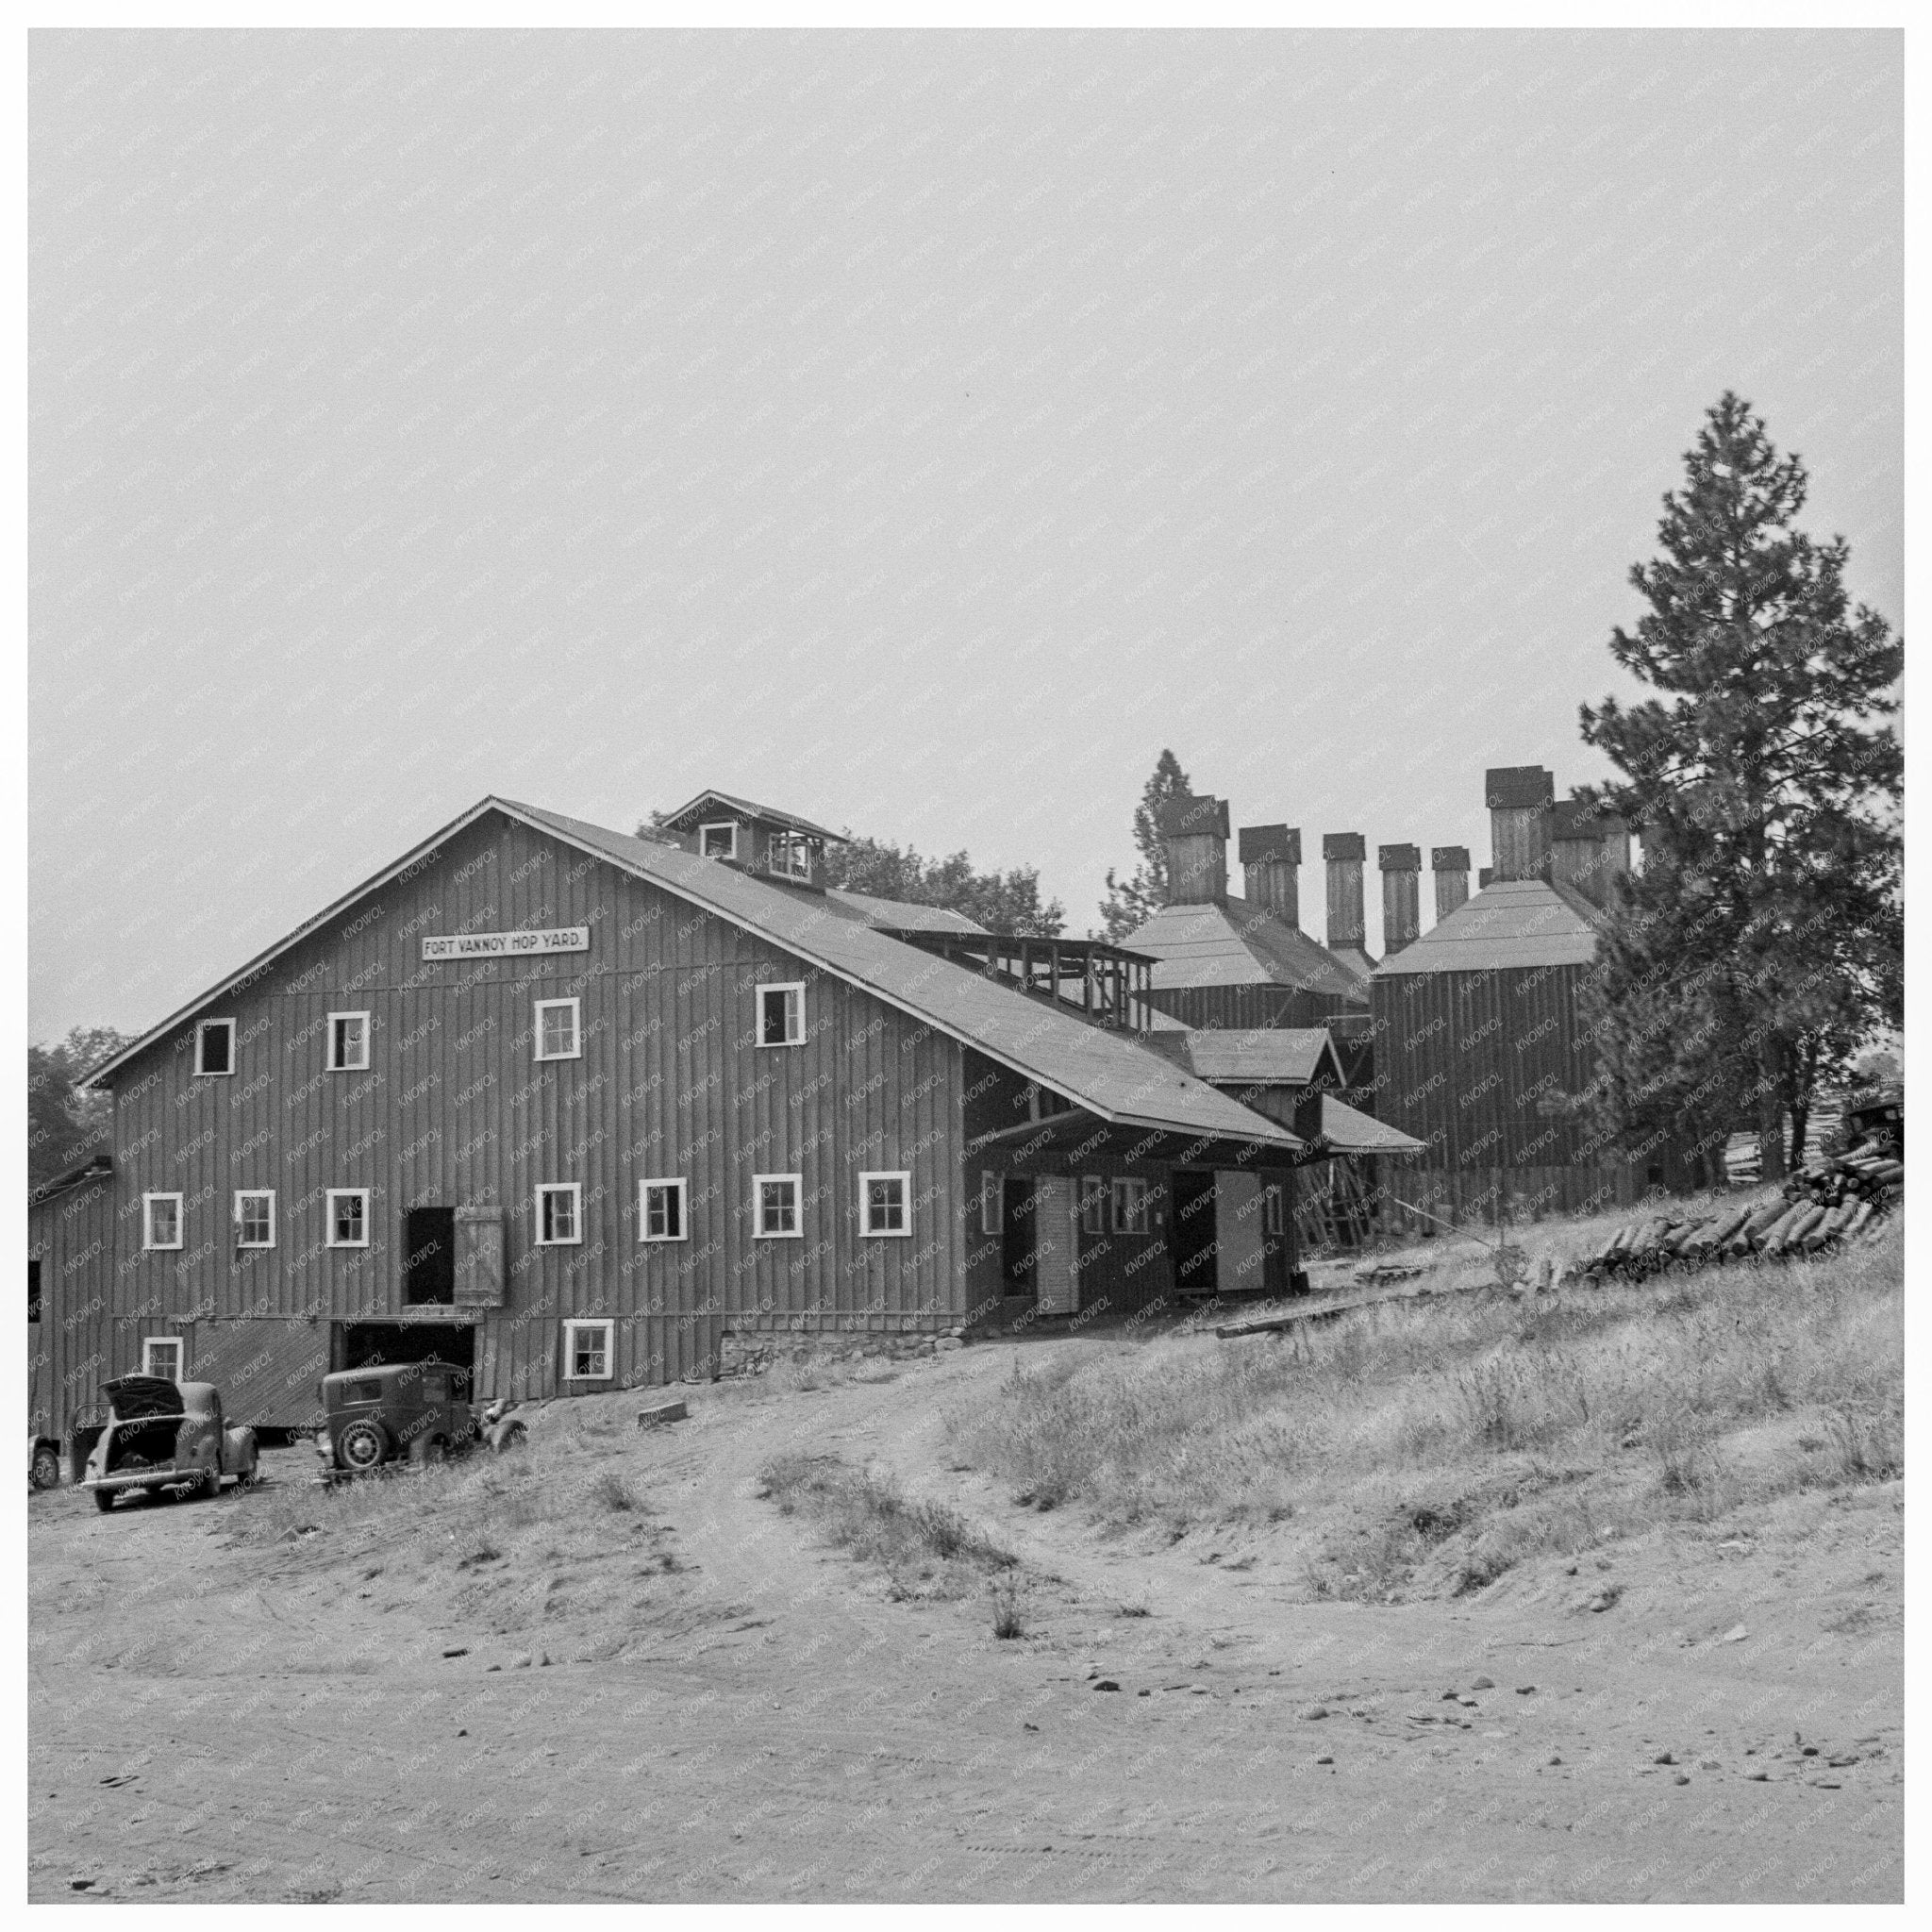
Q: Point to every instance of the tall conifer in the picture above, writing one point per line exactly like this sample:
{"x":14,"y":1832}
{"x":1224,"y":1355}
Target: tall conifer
{"x":1763,"y":938}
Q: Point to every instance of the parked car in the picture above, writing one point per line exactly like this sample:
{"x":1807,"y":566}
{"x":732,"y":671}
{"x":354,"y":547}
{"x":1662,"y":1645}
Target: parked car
{"x":404,"y":1412}
{"x":165,"y":1435}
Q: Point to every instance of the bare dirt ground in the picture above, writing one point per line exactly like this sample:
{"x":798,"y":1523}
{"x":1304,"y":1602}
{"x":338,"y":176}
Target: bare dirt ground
{"x":732,"y":1710}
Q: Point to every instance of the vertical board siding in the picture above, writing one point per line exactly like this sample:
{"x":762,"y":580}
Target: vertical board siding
{"x":70,"y":1349}
{"x":456,"y":1108}
{"x":1121,"y":1274}
{"x":1462,"y":1060}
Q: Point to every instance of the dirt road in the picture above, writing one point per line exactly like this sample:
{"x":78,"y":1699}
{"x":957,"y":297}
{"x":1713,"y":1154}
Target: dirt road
{"x":217,"y":1720}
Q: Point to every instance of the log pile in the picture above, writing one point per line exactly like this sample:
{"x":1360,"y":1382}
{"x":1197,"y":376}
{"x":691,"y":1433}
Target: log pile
{"x":1376,"y":1273}
{"x":1825,"y":1203}
{"x":1864,"y":1174}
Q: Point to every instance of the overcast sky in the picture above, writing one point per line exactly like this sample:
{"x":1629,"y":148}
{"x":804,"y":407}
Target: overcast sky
{"x":916,"y":431}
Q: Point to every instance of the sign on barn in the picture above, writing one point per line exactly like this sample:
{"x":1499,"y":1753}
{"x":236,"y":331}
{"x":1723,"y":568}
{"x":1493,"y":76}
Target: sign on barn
{"x":472,"y":945}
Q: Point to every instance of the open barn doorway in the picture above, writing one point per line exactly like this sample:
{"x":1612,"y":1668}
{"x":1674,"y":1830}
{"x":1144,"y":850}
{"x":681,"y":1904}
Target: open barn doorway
{"x":1191,"y":1240}
{"x":366,"y":1344}
{"x":429,"y":1258}
{"x":1019,"y":1256}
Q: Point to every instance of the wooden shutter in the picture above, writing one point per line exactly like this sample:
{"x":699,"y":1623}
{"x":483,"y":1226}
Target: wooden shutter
{"x":1055,"y":1239}
{"x":479,"y":1257}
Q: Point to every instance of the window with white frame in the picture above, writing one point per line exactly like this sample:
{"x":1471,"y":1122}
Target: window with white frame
{"x":348,"y":1217}
{"x":719,"y":840}
{"x":1129,"y":1206}
{"x":160,"y":1220}
{"x":661,"y":1211}
{"x":790,"y":855}
{"x":885,"y":1202}
{"x":989,"y":1202}
{"x":588,"y":1349}
{"x":558,"y":1031}
{"x":1274,"y":1208}
{"x":1092,"y":1204}
{"x":349,"y":1043}
{"x":781,"y":1014}
{"x":255,"y":1218}
{"x":774,"y":1205}
{"x":214,"y":1048}
{"x":162,"y":1356}
{"x":560,"y":1214}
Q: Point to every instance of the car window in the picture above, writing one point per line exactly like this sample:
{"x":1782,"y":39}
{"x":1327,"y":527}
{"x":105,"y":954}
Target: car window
{"x":435,"y":1387}
{"x":365,"y":1392}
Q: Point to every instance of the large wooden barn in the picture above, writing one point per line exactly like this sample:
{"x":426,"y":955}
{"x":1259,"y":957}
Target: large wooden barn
{"x":1481,"y":1048}
{"x":569,"y":1108}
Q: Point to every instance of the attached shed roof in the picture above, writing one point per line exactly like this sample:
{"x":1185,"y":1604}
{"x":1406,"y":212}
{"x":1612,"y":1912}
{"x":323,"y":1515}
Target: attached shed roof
{"x":1347,"y":1130}
{"x":94,"y":1168}
{"x":1105,"y":1072}
{"x":898,"y":915}
{"x":1234,"y":942}
{"x":1511,"y":923}
{"x":746,"y":809}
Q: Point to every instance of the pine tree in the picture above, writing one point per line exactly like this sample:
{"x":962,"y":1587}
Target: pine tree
{"x":1763,"y":940}
{"x":1131,"y":902}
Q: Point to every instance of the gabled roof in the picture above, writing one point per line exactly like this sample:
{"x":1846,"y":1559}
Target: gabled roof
{"x":1106,"y":1073}
{"x":1262,"y":1057}
{"x":743,"y":808}
{"x":899,"y":915}
{"x":1233,"y":942}
{"x":1508,"y":923}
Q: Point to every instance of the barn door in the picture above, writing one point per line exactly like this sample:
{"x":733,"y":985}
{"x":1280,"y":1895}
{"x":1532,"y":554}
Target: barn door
{"x":479,"y":1257}
{"x":1056,"y":1235}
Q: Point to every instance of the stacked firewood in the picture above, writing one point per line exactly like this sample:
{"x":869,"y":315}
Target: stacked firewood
{"x":1826,"y":1202}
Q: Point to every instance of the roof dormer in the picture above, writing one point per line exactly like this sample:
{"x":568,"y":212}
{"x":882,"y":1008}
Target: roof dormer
{"x":757,"y":838}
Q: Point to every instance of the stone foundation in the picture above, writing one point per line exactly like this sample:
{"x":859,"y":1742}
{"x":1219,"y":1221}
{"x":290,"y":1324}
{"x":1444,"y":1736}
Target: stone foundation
{"x":750,"y":1351}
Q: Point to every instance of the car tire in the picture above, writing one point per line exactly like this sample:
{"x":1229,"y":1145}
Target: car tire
{"x":362,"y":1446}
{"x":47,"y":1469}
{"x":104,"y":1500}
{"x":425,"y":1450}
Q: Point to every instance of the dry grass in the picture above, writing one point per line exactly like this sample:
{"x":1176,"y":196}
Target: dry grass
{"x":1008,"y":1621}
{"x":926,"y":1549}
{"x":556,"y":1542}
{"x":808,"y":1372}
{"x":1437,"y":1443}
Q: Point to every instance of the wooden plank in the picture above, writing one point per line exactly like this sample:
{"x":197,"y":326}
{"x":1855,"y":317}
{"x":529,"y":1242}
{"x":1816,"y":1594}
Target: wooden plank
{"x":1055,"y":1236}
{"x":479,"y":1257}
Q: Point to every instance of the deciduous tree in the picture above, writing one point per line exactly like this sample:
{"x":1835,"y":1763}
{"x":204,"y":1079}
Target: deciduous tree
{"x":1003,"y":902}
{"x":64,"y":1127}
